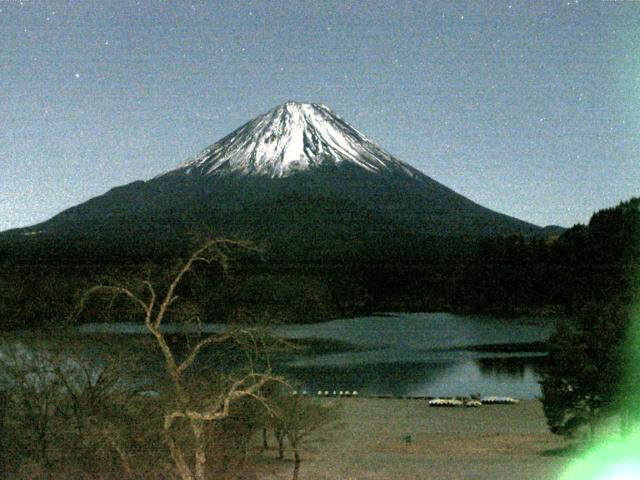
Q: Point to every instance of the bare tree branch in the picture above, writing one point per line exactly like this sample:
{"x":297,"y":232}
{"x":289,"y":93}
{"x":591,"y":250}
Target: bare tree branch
{"x":199,"y":346}
{"x":114,"y":290}
{"x":220,"y":409}
{"x":198,"y":256}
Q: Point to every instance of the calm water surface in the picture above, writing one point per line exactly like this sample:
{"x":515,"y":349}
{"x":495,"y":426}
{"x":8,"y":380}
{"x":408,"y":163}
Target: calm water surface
{"x":429,"y":354}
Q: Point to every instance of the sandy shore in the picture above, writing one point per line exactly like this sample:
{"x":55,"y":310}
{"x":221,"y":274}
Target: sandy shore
{"x":490,"y":442}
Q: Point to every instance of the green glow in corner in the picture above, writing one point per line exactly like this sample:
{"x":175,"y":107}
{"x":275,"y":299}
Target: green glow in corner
{"x":618,"y":459}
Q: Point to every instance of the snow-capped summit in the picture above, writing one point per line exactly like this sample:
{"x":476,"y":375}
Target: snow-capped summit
{"x":290,"y":138}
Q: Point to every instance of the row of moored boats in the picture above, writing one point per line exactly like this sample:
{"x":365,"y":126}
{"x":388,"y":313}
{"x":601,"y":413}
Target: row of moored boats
{"x":433,"y":402}
{"x":473,"y":402}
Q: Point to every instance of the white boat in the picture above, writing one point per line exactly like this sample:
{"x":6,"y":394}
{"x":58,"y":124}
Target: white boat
{"x":499,"y":400}
{"x":445,"y":402}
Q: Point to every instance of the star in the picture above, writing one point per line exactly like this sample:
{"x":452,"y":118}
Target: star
{"x":77,"y":75}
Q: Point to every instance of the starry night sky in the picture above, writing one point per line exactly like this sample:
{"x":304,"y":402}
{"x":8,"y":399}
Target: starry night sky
{"x":529,"y":108}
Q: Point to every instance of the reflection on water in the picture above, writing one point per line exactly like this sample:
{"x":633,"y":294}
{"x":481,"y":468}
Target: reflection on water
{"x":514,"y":367}
{"x":424,"y":354}
{"x":514,"y":376}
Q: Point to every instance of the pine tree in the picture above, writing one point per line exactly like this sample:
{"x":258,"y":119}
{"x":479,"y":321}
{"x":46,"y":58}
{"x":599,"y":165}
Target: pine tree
{"x":581,"y":384}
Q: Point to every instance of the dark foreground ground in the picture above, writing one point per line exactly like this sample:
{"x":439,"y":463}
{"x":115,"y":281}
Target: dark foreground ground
{"x":489,"y":442}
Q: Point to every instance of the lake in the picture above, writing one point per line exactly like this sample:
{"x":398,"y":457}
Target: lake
{"x":417,"y":354}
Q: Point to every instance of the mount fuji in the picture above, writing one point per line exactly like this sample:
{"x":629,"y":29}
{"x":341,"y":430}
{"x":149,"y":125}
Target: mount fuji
{"x":298,"y":177}
{"x":291,"y":138}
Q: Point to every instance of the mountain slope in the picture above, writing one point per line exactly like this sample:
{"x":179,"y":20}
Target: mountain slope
{"x":298,"y":177}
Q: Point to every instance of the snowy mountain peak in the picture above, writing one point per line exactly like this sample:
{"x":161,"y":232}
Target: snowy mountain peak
{"x":290,"y":138}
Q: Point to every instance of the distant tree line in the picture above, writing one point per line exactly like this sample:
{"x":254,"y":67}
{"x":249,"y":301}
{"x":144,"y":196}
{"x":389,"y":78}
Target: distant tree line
{"x":510,"y":275}
{"x":593,"y":263}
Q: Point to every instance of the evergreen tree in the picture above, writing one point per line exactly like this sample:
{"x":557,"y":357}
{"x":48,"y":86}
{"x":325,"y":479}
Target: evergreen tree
{"x":581,"y":384}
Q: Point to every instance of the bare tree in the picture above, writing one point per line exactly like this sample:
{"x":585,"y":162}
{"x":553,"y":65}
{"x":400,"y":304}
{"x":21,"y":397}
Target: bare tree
{"x":297,"y":418}
{"x":61,"y":407}
{"x":34,"y":392}
{"x":195,"y":413}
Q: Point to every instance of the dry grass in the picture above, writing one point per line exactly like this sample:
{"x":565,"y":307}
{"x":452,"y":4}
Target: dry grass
{"x":491,"y":442}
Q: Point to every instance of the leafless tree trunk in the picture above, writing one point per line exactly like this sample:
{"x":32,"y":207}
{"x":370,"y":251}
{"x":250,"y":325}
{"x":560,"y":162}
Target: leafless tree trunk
{"x":155,"y":308}
{"x":280,"y":438}
{"x":296,"y":463}
{"x":299,"y":418}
